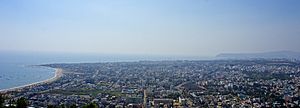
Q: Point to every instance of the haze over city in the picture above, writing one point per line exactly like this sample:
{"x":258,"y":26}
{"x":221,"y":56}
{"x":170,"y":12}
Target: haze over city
{"x":153,"y":27}
{"x":149,"y":54}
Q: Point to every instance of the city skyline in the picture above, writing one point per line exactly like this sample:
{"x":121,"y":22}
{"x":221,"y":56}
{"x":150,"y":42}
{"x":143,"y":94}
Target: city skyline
{"x":187,"y":28}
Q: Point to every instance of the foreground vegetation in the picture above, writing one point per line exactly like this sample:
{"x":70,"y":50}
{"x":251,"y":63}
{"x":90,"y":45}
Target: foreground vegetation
{"x":23,"y":103}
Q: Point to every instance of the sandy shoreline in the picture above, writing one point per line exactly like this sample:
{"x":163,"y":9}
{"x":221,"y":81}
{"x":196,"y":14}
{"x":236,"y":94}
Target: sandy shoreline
{"x":58,"y":74}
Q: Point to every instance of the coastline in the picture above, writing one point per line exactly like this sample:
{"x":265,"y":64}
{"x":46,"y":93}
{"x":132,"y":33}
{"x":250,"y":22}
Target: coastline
{"x":58,"y":74}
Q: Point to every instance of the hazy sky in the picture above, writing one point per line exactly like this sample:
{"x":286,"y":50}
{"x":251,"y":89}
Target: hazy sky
{"x":158,"y":27}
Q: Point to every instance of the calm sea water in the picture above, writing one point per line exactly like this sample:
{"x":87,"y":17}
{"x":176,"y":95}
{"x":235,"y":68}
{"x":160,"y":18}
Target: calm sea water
{"x":17,"y":69}
{"x":16,"y":74}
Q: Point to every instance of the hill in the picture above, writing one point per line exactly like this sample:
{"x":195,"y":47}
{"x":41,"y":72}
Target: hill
{"x":265,"y":55}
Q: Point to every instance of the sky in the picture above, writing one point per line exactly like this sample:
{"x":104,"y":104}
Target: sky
{"x":152,"y":27}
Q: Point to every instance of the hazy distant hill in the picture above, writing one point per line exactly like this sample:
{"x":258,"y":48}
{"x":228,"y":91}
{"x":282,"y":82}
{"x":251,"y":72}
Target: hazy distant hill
{"x":265,"y":55}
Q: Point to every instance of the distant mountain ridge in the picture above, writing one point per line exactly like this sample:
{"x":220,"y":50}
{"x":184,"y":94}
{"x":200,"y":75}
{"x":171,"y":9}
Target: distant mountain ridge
{"x":264,"y":55}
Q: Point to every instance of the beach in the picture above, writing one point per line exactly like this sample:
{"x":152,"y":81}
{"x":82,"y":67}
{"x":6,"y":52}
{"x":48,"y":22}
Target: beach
{"x":58,"y":74}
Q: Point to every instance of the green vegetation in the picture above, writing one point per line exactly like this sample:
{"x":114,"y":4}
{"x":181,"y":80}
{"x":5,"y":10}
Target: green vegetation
{"x":91,"y":105}
{"x":62,"y":106}
{"x":73,"y":106}
{"x":22,"y":103}
{"x":1,"y":101}
{"x":51,"y":106}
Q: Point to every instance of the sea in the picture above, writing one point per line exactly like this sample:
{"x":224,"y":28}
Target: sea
{"x":21,"y":68}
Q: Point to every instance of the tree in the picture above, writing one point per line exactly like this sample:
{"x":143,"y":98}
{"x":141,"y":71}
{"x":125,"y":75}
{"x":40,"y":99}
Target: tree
{"x":62,"y":106}
{"x":73,"y":106}
{"x":1,"y":101}
{"x":51,"y":106}
{"x":10,"y":102}
{"x":22,"y":103}
{"x":91,"y":105}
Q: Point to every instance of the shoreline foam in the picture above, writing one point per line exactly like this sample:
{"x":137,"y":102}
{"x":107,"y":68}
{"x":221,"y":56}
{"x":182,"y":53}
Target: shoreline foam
{"x":58,"y":74}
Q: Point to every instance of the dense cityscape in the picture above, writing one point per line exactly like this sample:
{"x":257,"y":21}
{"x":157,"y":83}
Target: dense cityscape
{"x":168,"y":84}
{"x":149,"y":54}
